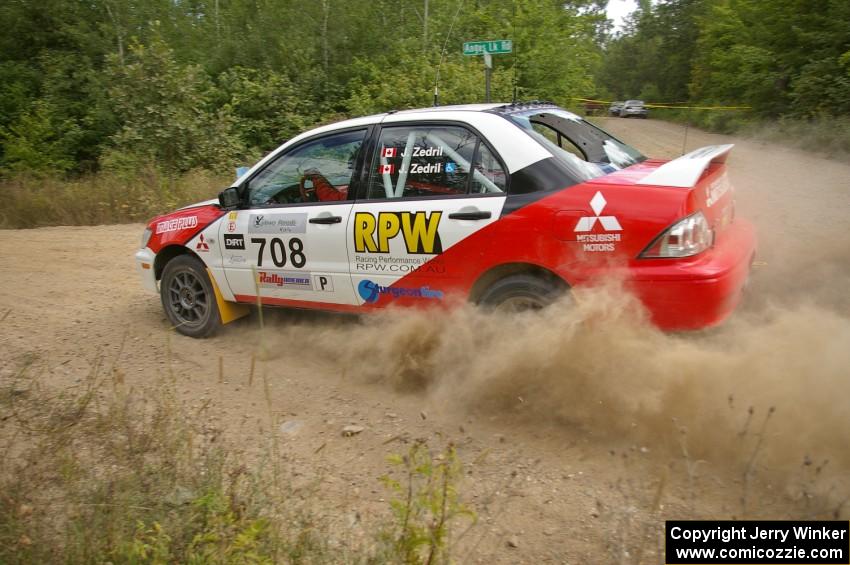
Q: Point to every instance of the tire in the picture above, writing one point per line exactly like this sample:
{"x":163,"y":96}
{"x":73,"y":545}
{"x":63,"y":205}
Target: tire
{"x":517,"y":293}
{"x":188,"y":298}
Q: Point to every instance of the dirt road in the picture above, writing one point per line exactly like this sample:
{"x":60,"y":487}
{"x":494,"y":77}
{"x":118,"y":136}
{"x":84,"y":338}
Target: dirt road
{"x":580,"y":429}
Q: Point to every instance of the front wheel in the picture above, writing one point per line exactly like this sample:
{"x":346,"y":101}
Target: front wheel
{"x":188,"y":297}
{"x":519,"y":293}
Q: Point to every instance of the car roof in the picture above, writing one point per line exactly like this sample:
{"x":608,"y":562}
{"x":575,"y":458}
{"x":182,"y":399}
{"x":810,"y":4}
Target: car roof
{"x":482,"y":116}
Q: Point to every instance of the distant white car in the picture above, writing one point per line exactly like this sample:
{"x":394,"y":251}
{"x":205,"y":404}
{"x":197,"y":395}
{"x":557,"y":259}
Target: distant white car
{"x":634,"y":108}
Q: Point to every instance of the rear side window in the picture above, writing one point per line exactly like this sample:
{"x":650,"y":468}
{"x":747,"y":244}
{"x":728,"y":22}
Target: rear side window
{"x":488,"y":174}
{"x":432,"y":160}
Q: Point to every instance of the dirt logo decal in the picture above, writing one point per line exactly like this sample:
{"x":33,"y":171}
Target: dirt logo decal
{"x":419,"y":230}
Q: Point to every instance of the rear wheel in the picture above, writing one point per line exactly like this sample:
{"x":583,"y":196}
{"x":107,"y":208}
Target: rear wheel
{"x":520,"y":293}
{"x":188,"y":297}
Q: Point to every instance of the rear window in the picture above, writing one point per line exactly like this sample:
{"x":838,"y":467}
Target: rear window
{"x":585,"y":149}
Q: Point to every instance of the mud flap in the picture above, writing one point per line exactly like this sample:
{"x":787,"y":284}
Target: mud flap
{"x":228,"y":311}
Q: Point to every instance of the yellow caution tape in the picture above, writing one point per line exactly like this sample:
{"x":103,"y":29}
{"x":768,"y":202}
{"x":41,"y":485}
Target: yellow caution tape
{"x":671,"y":105}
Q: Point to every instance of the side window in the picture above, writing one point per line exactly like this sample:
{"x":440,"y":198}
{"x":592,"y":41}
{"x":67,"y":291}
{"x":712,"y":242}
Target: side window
{"x":422,"y":160}
{"x":320,"y":170}
{"x":488,"y":174}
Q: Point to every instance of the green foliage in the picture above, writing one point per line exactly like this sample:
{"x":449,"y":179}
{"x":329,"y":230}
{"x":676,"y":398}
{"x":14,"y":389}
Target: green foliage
{"x":783,"y":58}
{"x":166,"y":115}
{"x":214,"y":84}
{"x":40,"y":141}
{"x":425,"y":504}
{"x":266,"y":107}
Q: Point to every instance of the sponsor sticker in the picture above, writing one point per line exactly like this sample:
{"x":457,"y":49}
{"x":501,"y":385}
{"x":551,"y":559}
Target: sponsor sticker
{"x":231,"y":226}
{"x":418,"y":230}
{"x":419,"y":151}
{"x":594,"y":242}
{"x":234,"y":241}
{"x":278,"y":223}
{"x":297,"y":281}
{"x":323,"y":283}
{"x":177,"y":224}
{"x":370,"y":291}
{"x":390,"y":264}
{"x":202,"y":244}
{"x":425,"y":168}
{"x":716,"y":190}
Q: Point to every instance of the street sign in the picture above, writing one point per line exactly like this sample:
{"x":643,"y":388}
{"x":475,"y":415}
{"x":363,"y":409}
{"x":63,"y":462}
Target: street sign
{"x":492,"y":47}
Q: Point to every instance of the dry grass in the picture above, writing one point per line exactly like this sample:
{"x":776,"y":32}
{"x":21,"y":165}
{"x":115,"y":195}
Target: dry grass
{"x":103,"y":198}
{"x":100,"y":472}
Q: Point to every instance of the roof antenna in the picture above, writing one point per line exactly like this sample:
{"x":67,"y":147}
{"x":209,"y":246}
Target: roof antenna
{"x":443,"y":54}
{"x":513,"y":33}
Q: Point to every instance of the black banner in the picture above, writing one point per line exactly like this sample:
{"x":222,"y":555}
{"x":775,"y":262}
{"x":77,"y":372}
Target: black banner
{"x":757,"y":542}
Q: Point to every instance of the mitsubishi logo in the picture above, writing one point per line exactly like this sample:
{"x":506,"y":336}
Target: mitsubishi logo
{"x":202,"y":244}
{"x":609,"y":223}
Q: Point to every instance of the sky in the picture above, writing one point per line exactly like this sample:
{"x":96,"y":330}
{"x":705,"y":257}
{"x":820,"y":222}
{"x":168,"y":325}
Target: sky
{"x":619,"y":9}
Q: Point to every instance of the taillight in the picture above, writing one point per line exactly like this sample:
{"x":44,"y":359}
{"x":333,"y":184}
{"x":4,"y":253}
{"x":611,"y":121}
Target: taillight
{"x":685,"y":238}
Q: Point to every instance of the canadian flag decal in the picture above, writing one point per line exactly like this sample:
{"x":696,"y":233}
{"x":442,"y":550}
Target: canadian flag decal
{"x":389,"y":151}
{"x":386,"y":169}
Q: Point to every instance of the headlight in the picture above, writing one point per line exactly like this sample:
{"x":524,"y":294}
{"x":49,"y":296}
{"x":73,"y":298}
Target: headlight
{"x":146,"y":237}
{"x":685,"y":238}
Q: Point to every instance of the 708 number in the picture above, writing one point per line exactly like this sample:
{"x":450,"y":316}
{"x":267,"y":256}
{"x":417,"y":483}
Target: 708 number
{"x":278,"y":251}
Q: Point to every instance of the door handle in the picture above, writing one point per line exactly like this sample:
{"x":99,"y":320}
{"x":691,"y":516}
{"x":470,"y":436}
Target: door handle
{"x":326,"y":220}
{"x":479,"y":215}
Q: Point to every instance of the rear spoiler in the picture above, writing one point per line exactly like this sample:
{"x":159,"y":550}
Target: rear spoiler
{"x":686,"y":170}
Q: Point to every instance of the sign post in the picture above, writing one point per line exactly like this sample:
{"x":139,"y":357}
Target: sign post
{"x":488,"y":48}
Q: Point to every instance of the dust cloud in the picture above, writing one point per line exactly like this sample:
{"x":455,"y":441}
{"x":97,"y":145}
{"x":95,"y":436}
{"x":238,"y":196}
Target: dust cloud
{"x":772,"y":379}
{"x":596,"y":364}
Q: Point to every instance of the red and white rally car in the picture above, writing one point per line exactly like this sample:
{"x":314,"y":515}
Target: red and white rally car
{"x":503,"y":205}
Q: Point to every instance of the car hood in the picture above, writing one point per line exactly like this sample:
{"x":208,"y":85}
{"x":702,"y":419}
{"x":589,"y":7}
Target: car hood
{"x":209,"y":202}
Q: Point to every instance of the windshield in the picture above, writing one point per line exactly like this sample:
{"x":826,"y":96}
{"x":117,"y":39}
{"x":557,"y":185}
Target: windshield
{"x":586,"y":149}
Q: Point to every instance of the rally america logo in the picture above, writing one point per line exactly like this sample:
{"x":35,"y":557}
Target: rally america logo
{"x":609,"y":223}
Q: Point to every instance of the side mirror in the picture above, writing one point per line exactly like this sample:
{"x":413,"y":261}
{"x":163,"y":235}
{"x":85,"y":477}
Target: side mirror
{"x":228,"y":198}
